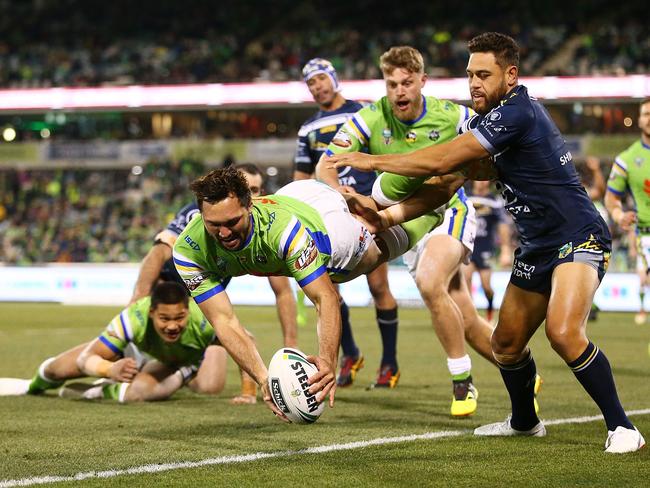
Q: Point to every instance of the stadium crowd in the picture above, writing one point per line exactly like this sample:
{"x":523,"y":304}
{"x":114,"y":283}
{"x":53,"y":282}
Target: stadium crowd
{"x":56,"y":45}
{"x":77,"y":215}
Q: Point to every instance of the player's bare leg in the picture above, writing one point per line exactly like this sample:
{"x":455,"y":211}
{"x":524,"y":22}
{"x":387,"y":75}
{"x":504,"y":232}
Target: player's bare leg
{"x":574,"y":286}
{"x":438,"y":264}
{"x":478,"y":331}
{"x":210,"y":378}
{"x":286,"y":306}
{"x":521,"y":314}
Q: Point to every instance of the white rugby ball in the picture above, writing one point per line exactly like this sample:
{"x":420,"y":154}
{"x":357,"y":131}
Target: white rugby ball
{"x":288,"y":373}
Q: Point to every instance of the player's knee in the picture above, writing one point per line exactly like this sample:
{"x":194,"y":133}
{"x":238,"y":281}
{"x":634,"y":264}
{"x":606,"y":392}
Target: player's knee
{"x":561,"y":337}
{"x":506,"y":350}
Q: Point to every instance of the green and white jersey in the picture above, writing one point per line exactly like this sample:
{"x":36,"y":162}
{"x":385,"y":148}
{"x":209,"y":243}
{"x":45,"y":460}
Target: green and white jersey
{"x":631,"y":172}
{"x":376,"y":129}
{"x":133,"y":325}
{"x":288,"y":238}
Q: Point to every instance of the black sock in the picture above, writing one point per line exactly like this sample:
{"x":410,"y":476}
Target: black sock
{"x":520,"y":383}
{"x":347,"y":340}
{"x":595,"y":375}
{"x":490,"y":300}
{"x":387,"y":322}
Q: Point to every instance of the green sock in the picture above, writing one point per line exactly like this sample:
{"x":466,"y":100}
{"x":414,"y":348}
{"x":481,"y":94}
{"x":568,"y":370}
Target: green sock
{"x":112,"y":391}
{"x":38,"y":385}
{"x":416,"y":229}
{"x":301,"y":309}
{"x":461,"y":376}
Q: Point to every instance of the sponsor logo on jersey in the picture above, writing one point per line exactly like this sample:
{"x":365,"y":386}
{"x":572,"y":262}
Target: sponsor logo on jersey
{"x":195,"y":281}
{"x":387,"y":135}
{"x":192,"y":244}
{"x":523,"y":270}
{"x":566,"y":158}
{"x":411,"y":136}
{"x":646,"y":187}
{"x":221,"y":263}
{"x":342,"y":139}
{"x":361,"y":245}
{"x":307,"y":256}
{"x":434,"y":135}
{"x":260,"y":259}
{"x":638,"y":161}
{"x":312,"y":139}
{"x":565,"y":250}
{"x":494,"y":116}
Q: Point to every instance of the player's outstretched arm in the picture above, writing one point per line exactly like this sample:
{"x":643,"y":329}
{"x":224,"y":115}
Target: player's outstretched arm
{"x":98,"y":360}
{"x":150,"y":269}
{"x":435,"y":192}
{"x":439,"y":159}
{"x":322,"y":293}
{"x":220,"y":313}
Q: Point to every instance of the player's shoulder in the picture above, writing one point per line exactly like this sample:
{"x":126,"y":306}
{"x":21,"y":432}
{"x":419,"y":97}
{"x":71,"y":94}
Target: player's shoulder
{"x":631,"y":152}
{"x":136,"y":316}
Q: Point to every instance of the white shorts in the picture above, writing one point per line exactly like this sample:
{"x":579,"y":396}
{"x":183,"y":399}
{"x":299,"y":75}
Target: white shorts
{"x":349,"y":238}
{"x":643,"y":252}
{"x":459,"y":223}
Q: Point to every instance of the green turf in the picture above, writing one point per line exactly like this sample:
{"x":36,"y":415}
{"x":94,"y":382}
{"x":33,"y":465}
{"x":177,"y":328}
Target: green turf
{"x":42,"y":436}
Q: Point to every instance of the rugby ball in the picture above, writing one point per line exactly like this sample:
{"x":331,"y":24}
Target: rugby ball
{"x":288,"y":373}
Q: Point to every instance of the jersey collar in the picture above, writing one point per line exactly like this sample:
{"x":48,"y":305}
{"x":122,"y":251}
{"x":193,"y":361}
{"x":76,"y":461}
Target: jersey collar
{"x":644,"y":144}
{"x":250,"y":236}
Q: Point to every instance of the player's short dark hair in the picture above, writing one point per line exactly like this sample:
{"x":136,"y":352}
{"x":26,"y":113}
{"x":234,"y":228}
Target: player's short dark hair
{"x":169,"y":293}
{"x":250,"y":168}
{"x":219,"y":184}
{"x":504,"y":48}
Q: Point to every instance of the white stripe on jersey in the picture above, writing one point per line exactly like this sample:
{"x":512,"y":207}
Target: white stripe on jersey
{"x":621,"y":163}
{"x":463,"y":116}
{"x":189,"y":269}
{"x":337,"y":119}
{"x":127,"y":325}
{"x":298,"y":241}
{"x":364,"y":127}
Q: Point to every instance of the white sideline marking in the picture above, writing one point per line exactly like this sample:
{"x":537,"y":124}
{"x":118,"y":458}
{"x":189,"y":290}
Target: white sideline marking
{"x":244,"y":458}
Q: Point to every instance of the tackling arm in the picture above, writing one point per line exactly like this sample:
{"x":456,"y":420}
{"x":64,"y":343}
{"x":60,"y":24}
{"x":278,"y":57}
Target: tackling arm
{"x":614,"y":206}
{"x":438,"y":159}
{"x":150,"y":269}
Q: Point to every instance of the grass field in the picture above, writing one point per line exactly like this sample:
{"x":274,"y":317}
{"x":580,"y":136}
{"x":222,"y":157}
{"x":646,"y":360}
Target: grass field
{"x":49,"y":436}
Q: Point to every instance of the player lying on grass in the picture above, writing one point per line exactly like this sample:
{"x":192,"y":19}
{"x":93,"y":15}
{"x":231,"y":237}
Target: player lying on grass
{"x":167,"y":327}
{"x":305,"y":231}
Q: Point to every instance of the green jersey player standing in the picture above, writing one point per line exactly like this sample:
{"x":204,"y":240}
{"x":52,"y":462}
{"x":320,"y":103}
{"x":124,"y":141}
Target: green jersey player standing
{"x":400,"y":122}
{"x":630,"y":172}
{"x":305,"y":231}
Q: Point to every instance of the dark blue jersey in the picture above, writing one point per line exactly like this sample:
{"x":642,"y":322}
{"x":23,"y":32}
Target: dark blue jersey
{"x":315,"y":135}
{"x":537,"y":178}
{"x":182,"y":218}
{"x":489,"y":214}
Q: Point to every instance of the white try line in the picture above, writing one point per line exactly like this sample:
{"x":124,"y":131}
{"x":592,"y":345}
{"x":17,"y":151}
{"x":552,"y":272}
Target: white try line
{"x":245,"y":458}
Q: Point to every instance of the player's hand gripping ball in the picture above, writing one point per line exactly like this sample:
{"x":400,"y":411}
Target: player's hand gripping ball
{"x":288,"y":373}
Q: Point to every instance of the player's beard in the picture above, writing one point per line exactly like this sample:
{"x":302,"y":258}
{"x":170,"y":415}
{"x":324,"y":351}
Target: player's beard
{"x":491,"y":100}
{"x":414,"y":110}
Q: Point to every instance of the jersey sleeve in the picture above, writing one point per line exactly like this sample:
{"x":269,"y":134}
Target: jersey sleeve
{"x":306,"y":254}
{"x":390,"y":189}
{"x":120,"y":331}
{"x":302,"y":160}
{"x":618,"y":180}
{"x":182,"y":218}
{"x":503,"y":126}
{"x":352,"y":136}
{"x":201,"y":277}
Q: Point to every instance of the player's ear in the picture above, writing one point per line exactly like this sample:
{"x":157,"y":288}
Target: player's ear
{"x":512,"y":73}
{"x":424,"y":78}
